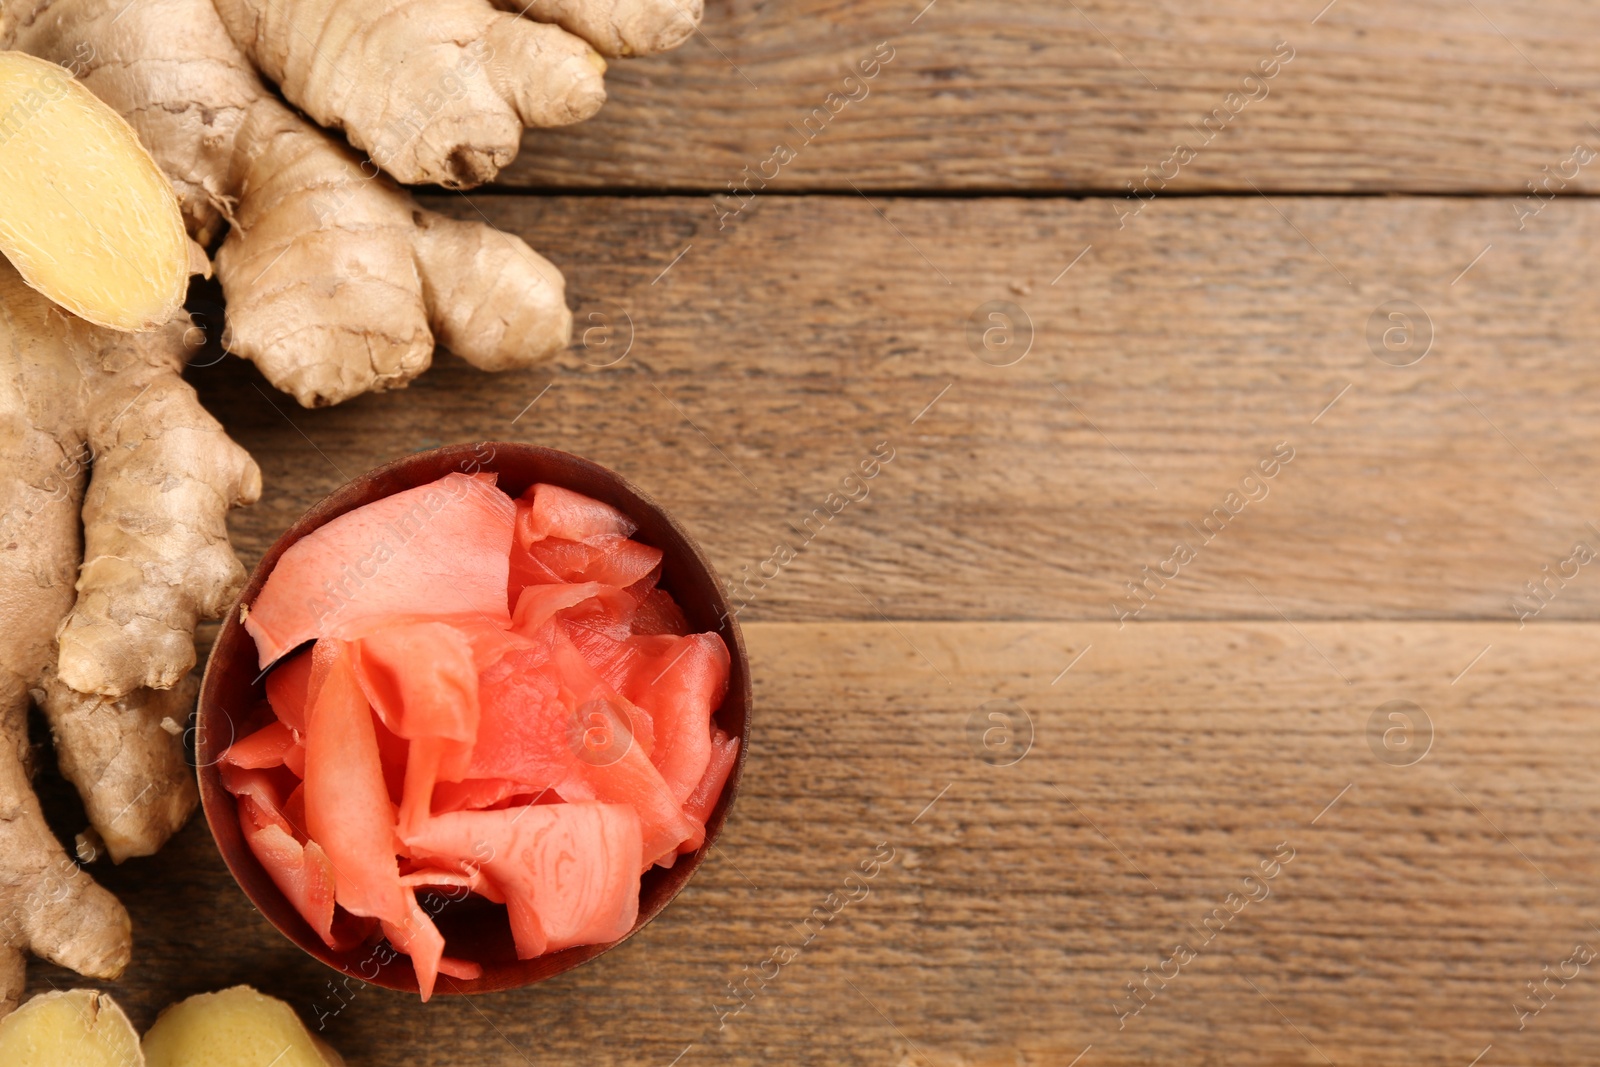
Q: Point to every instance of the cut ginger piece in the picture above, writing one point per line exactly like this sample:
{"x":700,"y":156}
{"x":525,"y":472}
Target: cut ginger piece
{"x":523,"y":569}
{"x":418,"y":938}
{"x":237,"y":1027}
{"x":532,"y":738}
{"x":476,"y":794}
{"x":301,"y":871}
{"x":289,"y":690}
{"x":556,"y":724}
{"x":538,"y":604}
{"x":659,"y":614}
{"x":88,"y":219}
{"x":523,"y":728}
{"x":590,"y":692}
{"x":558,"y":512}
{"x":446,"y":545}
{"x":569,"y":872}
{"x":422,"y":680}
{"x":615,"y":661}
{"x":80,"y":1028}
{"x":267,"y":747}
{"x":265,"y":787}
{"x":680,"y":690}
{"x":348,"y":810}
{"x":632,"y":782}
{"x":724,"y":754}
{"x":612,"y":561}
{"x":563,"y":536}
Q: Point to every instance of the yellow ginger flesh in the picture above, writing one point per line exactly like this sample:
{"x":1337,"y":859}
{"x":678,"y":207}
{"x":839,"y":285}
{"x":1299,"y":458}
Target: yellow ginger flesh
{"x":81,"y":1028}
{"x":87,"y":218}
{"x":237,"y":1027}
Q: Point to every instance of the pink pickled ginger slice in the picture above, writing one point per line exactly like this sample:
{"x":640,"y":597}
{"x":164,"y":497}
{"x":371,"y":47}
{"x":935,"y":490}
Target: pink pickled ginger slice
{"x":569,"y":872}
{"x":348,"y":810}
{"x":418,"y":938}
{"x":445,"y":545}
{"x":558,"y":512}
{"x":681,"y":692}
{"x":422,"y":681}
{"x":303,"y":874}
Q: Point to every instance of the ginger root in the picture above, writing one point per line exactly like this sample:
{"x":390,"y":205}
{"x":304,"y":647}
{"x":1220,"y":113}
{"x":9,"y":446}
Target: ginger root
{"x":80,"y":1028}
{"x":237,"y":1027}
{"x":87,"y":217}
{"x":125,"y":756}
{"x":99,"y":424}
{"x":443,"y":98}
{"x":337,"y":282}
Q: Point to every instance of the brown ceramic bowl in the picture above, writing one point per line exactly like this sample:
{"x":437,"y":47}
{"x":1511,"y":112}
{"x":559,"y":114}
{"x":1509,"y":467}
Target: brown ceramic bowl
{"x":474,"y":930}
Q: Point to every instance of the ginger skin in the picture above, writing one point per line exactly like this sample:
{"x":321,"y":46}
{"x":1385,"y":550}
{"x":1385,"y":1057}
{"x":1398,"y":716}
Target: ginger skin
{"x":461,"y":84}
{"x":337,"y":282}
{"x":71,"y":392}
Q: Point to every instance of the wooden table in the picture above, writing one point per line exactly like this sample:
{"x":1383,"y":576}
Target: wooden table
{"x":1079,"y":797}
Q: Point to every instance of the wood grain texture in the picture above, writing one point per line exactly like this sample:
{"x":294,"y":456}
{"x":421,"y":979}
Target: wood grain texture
{"x":1177,"y":354}
{"x":1178,"y":753}
{"x":1164,"y":767}
{"x":1418,"y":96}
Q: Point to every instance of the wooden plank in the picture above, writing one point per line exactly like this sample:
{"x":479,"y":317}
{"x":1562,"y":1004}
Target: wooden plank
{"x":1419,"y":96}
{"x":1165,"y":766}
{"x":1176,"y":355}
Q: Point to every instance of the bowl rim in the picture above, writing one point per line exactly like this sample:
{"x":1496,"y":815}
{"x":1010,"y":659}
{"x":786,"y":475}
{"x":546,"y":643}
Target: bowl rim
{"x":220,"y":807}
